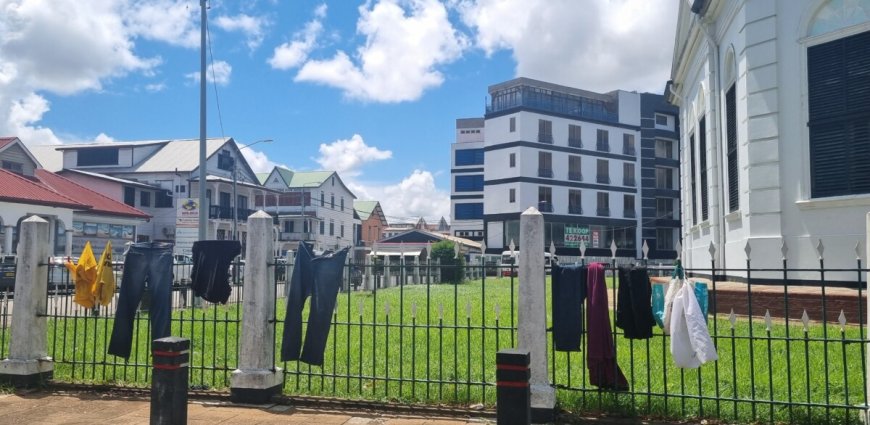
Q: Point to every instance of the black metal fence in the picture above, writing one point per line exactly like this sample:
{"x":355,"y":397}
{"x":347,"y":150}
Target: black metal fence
{"x":787,"y":352}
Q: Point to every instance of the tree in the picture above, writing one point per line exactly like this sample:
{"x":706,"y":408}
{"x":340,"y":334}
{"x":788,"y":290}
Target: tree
{"x":452,"y":269}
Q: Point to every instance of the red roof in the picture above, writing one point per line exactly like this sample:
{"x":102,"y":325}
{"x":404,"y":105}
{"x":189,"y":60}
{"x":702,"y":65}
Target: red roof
{"x":19,"y":189}
{"x":6,"y":140}
{"x":99,"y":203}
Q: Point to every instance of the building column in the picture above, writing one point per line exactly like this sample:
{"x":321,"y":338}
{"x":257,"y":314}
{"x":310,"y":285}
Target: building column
{"x":7,"y":243}
{"x":69,"y":240}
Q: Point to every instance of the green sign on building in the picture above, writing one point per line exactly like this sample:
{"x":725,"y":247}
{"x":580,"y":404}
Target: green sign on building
{"x":574,"y":235}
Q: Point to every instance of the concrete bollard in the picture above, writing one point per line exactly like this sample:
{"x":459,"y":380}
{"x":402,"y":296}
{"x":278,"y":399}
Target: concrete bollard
{"x":169,"y":380}
{"x":257,"y":379}
{"x":28,"y":363}
{"x":531,"y":312}
{"x":513,"y":397}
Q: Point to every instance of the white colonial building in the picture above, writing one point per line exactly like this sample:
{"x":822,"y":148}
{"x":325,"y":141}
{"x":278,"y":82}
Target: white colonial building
{"x":774,"y":102}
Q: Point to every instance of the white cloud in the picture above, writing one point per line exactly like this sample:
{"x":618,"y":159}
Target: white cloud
{"x":292,"y":54}
{"x":348,"y":155}
{"x":174,"y":22}
{"x":155,"y":87}
{"x":414,"y":197}
{"x":259,"y":161}
{"x":22,"y":119}
{"x":602,"y":46}
{"x":253,"y":27}
{"x":104,"y":138}
{"x":218,"y":72}
{"x":405,"y":43}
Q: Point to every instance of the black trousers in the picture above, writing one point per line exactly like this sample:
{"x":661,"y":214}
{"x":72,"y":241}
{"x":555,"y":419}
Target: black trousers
{"x":634,"y":303}
{"x":210,"y":276}
{"x":569,"y":292}
{"x":318,"y":278}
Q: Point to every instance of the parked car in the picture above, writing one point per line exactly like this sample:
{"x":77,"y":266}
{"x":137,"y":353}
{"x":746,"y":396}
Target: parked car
{"x":58,"y":275}
{"x":7,"y":273}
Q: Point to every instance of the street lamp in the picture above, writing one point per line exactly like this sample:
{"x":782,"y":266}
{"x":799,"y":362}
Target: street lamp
{"x":235,"y":196}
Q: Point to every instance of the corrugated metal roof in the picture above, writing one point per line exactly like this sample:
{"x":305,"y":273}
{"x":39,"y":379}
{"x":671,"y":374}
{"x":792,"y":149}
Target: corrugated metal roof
{"x":262,"y":177}
{"x":365,"y":208}
{"x":303,"y":178}
{"x":99,"y":203}
{"x":181,"y":155}
{"x":109,"y":178}
{"x":19,"y":189}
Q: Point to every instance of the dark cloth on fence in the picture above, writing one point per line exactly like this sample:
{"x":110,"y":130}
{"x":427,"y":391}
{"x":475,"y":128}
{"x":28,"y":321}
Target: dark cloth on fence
{"x":568,"y":294}
{"x":146,"y":264}
{"x":604,"y":372}
{"x":320,"y":279}
{"x":634,"y":313}
{"x":210,"y":277}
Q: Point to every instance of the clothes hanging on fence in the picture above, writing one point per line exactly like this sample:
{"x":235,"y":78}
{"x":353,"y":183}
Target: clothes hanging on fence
{"x":604,"y":372}
{"x":569,"y":292}
{"x":691,"y":345}
{"x":673,"y":287}
{"x":633,"y":307}
{"x":146,"y":264}
{"x":84,"y":275}
{"x":658,"y":304}
{"x":702,"y":294}
{"x":104,"y":285}
{"x":317,"y":277}
{"x":210,"y":277}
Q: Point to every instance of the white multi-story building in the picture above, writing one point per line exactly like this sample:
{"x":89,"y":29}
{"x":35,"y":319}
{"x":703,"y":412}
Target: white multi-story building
{"x":601,"y":167}
{"x":774,"y":99}
{"x":310,"y":206}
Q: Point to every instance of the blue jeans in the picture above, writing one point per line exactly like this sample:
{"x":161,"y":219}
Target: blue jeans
{"x":149,"y":262}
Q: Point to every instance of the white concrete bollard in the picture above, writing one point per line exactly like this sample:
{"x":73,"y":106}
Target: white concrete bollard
{"x":532,"y":315}
{"x":257,"y":379}
{"x":368,"y":281}
{"x":28,"y":363}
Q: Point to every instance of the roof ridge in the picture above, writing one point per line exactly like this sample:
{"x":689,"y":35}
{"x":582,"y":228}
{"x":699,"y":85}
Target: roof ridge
{"x":46,"y":187}
{"x":90,"y":190}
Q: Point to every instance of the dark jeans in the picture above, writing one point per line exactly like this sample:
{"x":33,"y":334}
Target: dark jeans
{"x":569,"y":292}
{"x":149,"y":262}
{"x":320,"y":279}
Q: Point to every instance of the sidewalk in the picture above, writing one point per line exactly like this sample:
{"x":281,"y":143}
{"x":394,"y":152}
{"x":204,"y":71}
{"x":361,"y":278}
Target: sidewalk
{"x":57,"y":407}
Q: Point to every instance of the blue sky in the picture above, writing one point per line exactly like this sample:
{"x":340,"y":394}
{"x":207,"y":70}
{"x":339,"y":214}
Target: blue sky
{"x":368,"y":88}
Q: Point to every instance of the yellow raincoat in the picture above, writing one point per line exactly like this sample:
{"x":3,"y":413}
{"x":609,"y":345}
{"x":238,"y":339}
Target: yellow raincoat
{"x":104,"y":284}
{"x":84,"y":275}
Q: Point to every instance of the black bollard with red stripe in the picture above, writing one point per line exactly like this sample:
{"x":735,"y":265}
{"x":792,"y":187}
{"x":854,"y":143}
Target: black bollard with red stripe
{"x":169,"y":380}
{"x":514,"y":398}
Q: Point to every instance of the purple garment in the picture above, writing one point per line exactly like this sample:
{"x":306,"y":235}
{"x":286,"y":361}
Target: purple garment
{"x":604,"y":372}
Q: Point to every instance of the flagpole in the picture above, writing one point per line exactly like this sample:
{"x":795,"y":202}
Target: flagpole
{"x":203,"y":208}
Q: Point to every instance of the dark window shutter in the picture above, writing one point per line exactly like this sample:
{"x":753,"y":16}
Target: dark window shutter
{"x":731,"y":148}
{"x":694,"y":167}
{"x":702,"y":160}
{"x":838,"y":78}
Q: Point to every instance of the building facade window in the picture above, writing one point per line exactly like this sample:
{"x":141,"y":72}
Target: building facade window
{"x":731,"y":148}
{"x":545,"y":131}
{"x":97,"y":156}
{"x":342,"y":203}
{"x":575,"y":172}
{"x":603,"y":204}
{"x":322,"y":199}
{"x":628,"y":144}
{"x":545,"y":164}
{"x":664,"y":149}
{"x":331,"y":227}
{"x":665,"y":208}
{"x":471,"y":211}
{"x":665,"y":239}
{"x":602,"y":141}
{"x":839,"y":116}
{"x":545,"y":199}
{"x":512,"y":195}
{"x":702,"y":162}
{"x":574,"y":138}
{"x":322,"y":226}
{"x":603,"y":172}
{"x":628,"y":206}
{"x":332,"y":200}
{"x":512,"y":160}
{"x":12,"y":166}
{"x":144,"y":198}
{"x":664,"y":178}
{"x":693,"y":168}
{"x":661,"y":120}
{"x":469,"y":157}
{"x":472,"y":183}
{"x":628,"y":174}
{"x":341,"y":231}
{"x":575,"y":202}
{"x":130,"y":196}
{"x":513,"y":124}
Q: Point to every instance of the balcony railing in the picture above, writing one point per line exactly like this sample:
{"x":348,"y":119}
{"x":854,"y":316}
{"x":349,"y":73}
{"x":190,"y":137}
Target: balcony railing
{"x":226,"y":213}
{"x":603,"y":146}
{"x":628,"y":181}
{"x":629,"y":213}
{"x":545,"y":138}
{"x":603,"y":212}
{"x":602,"y":178}
{"x":575,"y":210}
{"x":575,"y":143}
{"x":545,"y":206}
{"x":545,"y":172}
{"x":296,"y":236}
{"x":577,"y":177}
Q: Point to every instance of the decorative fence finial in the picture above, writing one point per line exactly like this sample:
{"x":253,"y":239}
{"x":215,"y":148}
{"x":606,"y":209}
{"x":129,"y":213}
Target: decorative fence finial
{"x":645,"y":250}
{"x":513,"y":248}
{"x":747,"y":249}
{"x":582,"y":249}
{"x":613,"y":249}
{"x":820,"y":248}
{"x":784,"y":250}
{"x":712,"y":250}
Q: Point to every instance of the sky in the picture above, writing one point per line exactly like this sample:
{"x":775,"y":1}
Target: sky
{"x":370,"y":89}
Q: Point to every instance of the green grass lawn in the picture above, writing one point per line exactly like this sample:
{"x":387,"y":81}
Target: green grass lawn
{"x":437,"y":343}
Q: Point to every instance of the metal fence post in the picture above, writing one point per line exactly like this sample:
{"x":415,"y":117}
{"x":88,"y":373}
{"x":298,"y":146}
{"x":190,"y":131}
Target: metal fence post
{"x":28,"y":363}
{"x":531,"y":312}
{"x":169,"y":382}
{"x":257,"y":378}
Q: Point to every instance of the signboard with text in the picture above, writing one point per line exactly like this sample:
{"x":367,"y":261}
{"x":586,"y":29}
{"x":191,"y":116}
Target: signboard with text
{"x":186,"y":225}
{"x":575,"y":235}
